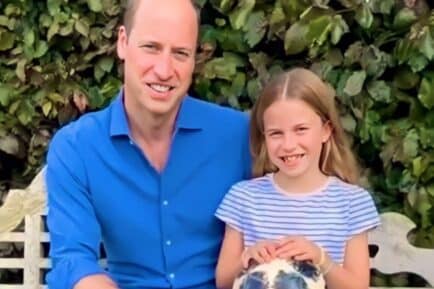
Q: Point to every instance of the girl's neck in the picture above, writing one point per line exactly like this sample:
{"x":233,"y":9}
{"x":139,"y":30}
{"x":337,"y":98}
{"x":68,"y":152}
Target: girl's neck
{"x":300,"y":185}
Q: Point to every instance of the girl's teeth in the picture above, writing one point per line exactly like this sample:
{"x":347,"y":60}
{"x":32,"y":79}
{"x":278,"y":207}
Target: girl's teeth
{"x":160,"y":88}
{"x":291,"y":158}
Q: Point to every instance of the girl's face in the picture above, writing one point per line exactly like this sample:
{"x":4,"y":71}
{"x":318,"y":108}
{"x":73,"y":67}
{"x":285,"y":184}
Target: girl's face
{"x":294,"y":135}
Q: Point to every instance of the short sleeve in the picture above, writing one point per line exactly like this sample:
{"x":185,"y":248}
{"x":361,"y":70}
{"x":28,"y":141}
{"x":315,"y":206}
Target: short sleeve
{"x":363,"y":214}
{"x":231,"y":210}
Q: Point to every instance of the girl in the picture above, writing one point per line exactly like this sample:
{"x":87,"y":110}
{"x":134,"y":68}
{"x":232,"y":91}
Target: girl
{"x":303,"y":203}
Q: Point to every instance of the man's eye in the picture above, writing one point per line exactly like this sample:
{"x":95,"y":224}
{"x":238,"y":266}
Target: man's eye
{"x":150,"y":47}
{"x":182,"y":54}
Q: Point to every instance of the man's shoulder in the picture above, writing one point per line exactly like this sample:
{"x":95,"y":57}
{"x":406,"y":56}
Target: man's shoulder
{"x":87,"y":127}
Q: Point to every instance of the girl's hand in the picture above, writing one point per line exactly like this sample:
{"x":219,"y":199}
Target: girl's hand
{"x":300,"y":249}
{"x":261,"y":252}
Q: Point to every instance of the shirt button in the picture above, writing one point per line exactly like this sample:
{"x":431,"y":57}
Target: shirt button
{"x":171,"y":275}
{"x":131,"y":142}
{"x":165,"y":203}
{"x":168,"y":242}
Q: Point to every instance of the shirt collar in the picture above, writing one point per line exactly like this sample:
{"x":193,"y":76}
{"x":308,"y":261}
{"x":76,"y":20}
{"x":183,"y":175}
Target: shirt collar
{"x":187,"y":118}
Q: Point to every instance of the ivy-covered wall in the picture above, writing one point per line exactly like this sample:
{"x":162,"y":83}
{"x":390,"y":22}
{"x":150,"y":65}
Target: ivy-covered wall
{"x":57,"y":61}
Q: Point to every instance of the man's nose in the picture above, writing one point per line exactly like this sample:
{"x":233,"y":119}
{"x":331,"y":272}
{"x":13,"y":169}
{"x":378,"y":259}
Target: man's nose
{"x":163,"y":67}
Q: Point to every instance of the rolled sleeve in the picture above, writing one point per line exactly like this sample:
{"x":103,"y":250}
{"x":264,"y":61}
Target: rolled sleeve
{"x":75,"y":234}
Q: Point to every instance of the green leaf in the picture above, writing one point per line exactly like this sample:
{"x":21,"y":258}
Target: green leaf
{"x":46,"y":108}
{"x":295,"y":38}
{"x":410,"y":144}
{"x":379,"y":91}
{"x":106,"y":63}
{"x":255,"y":28}
{"x":319,"y":29}
{"x":405,"y":79}
{"x":426,"y":43}
{"x":29,"y":37}
{"x":5,"y":94}
{"x":364,"y":16}
{"x":382,"y":6}
{"x":426,"y":91}
{"x":20,"y":70}
{"x":418,"y":62}
{"x":7,"y":40}
{"x":54,"y":6}
{"x":354,"y":84}
{"x":404,"y":18}
{"x":339,"y":28}
{"x":238,"y":17}
{"x":82,"y":27}
{"x":40,"y":49}
{"x":95,"y":5}
{"x":9,"y":144}
{"x":25,"y":112}
{"x":53,"y":30}
{"x":348,"y":123}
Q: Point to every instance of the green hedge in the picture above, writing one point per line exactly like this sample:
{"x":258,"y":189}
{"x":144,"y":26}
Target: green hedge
{"x":57,"y":61}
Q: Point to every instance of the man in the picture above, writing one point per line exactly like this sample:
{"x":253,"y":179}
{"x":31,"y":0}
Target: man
{"x":145,"y":175}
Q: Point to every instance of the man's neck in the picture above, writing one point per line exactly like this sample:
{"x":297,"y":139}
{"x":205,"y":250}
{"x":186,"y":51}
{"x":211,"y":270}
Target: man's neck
{"x":153,"y":135}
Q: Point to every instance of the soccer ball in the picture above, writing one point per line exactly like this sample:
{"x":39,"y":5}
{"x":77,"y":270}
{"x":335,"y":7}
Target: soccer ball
{"x":281,"y":274}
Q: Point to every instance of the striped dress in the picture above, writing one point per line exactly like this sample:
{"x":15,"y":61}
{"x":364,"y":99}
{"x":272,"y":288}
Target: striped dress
{"x":330,"y":216}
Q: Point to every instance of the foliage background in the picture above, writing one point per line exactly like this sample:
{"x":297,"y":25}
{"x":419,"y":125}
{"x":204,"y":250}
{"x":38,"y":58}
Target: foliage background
{"x":57,"y":61}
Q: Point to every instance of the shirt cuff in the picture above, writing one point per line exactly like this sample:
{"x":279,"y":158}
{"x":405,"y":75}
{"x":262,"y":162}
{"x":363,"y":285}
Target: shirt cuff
{"x":65,"y":274}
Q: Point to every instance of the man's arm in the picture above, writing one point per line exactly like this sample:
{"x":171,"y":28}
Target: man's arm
{"x":75,"y":233}
{"x":96,"y":281}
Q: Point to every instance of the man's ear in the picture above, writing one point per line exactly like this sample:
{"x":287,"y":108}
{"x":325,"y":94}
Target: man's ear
{"x":122,"y":42}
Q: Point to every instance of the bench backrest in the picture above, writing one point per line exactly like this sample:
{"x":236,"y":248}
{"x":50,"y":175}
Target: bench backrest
{"x":395,"y":254}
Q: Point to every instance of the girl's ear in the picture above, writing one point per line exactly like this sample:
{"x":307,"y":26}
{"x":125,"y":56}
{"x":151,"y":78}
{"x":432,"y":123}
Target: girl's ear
{"x":327,"y":130}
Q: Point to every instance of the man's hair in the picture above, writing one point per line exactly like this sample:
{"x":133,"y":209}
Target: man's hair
{"x":131,"y":8}
{"x":336,"y":157}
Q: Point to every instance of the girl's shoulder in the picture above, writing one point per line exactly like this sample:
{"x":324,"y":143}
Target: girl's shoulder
{"x":253,"y":187}
{"x":339,"y":186}
{"x":254,"y":183}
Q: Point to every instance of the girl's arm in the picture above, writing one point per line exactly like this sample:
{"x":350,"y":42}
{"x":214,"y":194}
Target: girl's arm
{"x":229,"y":264}
{"x":354,"y":274}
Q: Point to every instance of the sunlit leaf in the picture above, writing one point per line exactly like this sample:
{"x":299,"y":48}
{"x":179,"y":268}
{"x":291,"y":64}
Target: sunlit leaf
{"x":426,"y":91}
{"x":7,"y":40}
{"x":405,"y":17}
{"x":82,"y":27}
{"x":364,"y":16}
{"x":295,"y":38}
{"x":379,"y":91}
{"x":95,"y":5}
{"x":355,"y":83}
{"x":255,"y":28}
{"x":239,"y":15}
{"x":9,"y":144}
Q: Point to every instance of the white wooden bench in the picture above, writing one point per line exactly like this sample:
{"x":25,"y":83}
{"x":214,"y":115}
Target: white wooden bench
{"x":394,"y":255}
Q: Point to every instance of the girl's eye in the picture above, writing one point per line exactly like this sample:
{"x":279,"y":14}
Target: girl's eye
{"x":274,"y":133}
{"x":302,"y":129}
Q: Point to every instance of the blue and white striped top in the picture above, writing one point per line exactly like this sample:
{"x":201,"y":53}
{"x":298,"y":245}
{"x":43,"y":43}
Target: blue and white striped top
{"x":330,"y":216}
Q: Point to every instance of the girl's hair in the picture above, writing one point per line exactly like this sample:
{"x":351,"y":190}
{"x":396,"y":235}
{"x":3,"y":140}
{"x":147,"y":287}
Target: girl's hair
{"x":336,"y":157}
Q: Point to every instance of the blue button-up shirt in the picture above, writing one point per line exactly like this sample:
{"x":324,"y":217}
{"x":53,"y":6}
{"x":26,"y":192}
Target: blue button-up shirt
{"x":158,"y":229}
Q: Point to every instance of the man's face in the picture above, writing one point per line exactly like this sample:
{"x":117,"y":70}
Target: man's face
{"x":159,"y":55}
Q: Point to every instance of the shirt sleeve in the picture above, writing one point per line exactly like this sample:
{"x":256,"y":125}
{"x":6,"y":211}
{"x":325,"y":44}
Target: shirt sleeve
{"x":231,"y":209}
{"x":363,"y":215}
{"x":75,"y":234}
